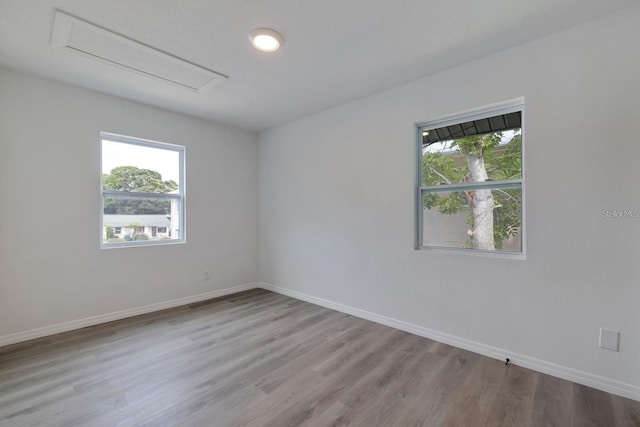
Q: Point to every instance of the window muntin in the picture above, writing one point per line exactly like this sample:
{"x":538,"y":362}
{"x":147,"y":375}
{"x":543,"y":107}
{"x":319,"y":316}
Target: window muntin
{"x":470,"y":182}
{"x":143,"y":190}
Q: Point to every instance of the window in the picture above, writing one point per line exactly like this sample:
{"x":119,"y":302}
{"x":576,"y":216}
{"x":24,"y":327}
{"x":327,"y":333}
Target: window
{"x":143,"y":190}
{"x":470,"y":182}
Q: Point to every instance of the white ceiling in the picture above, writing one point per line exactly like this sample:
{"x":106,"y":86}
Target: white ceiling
{"x":335,"y":51}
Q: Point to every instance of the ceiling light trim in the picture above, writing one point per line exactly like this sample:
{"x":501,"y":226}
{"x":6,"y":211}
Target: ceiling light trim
{"x":89,"y":40}
{"x":273,"y":38}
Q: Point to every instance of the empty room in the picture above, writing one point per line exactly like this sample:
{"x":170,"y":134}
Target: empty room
{"x":305,"y":213}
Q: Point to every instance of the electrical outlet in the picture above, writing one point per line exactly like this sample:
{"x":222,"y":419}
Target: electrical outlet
{"x":206,"y":276}
{"x":609,"y":340}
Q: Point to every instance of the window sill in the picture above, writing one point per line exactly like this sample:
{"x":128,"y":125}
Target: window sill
{"x":141,"y":244}
{"x":471,"y":252}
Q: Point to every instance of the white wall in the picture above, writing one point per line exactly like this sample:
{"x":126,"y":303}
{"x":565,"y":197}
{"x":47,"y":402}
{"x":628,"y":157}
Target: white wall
{"x":337,"y":205}
{"x":52,"y":269}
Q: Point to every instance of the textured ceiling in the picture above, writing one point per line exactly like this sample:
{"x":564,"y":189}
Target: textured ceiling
{"x":335,"y":51}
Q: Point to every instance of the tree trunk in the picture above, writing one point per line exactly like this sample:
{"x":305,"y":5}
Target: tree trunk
{"x":482,"y":205}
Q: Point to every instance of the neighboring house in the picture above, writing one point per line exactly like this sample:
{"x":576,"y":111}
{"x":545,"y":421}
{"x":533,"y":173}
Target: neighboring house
{"x":174,"y":217}
{"x":154,"y":226}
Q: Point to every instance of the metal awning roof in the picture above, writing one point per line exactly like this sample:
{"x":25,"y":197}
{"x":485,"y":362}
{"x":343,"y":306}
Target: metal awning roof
{"x":474,"y":127}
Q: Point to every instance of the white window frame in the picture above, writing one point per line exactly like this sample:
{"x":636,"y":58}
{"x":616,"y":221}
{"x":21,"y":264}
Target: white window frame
{"x":180,"y":196}
{"x":476,"y":114}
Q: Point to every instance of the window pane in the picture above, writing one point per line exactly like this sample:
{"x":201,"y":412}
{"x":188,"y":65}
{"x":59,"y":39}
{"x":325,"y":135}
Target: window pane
{"x":142,"y":191}
{"x":138,"y":219}
{"x":137,"y":168}
{"x":494,"y":156}
{"x":482,"y":219}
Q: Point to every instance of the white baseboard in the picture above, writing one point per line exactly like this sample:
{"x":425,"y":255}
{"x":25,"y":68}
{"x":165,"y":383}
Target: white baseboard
{"x":601,"y":383}
{"x":123,"y":314}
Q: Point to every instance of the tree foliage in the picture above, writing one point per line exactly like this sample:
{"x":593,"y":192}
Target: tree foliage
{"x":496,"y":162}
{"x":133,"y":179}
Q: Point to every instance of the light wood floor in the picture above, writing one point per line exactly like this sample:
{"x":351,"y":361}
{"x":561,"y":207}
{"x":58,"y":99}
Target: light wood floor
{"x":262,"y":359}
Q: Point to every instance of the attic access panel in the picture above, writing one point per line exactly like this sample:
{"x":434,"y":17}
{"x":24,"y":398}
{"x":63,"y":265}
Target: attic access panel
{"x":89,"y":40}
{"x":499,"y":123}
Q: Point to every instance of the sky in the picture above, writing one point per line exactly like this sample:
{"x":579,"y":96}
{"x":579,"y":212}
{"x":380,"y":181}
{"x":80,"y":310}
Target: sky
{"x":119,"y":154}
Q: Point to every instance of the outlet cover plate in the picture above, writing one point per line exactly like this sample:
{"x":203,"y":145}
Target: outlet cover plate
{"x":609,"y":340}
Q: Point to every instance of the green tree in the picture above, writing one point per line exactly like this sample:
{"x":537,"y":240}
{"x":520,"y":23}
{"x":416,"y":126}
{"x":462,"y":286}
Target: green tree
{"x":133,"y":179}
{"x":484,"y":159}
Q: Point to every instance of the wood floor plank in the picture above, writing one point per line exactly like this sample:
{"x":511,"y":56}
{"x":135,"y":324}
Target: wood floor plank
{"x":514,"y":403}
{"x":359,"y":330}
{"x":552,"y":403}
{"x":592,"y":407}
{"x":228,"y":373}
{"x":440,"y":392}
{"x":263,"y":359}
{"x":404,"y":389}
{"x":627,"y":412}
{"x":350,"y":372}
{"x":246,"y":370}
{"x":478,"y":394}
{"x":328,"y":417}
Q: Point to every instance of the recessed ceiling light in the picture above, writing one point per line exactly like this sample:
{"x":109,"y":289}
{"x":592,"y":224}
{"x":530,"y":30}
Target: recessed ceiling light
{"x":266,"y":40}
